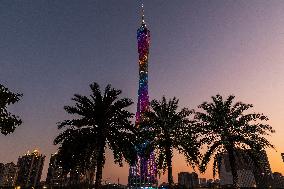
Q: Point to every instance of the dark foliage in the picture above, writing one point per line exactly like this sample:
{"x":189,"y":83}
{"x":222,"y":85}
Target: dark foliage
{"x":101,"y":121}
{"x":167,"y":129}
{"x":8,"y":121}
{"x":226,"y":128}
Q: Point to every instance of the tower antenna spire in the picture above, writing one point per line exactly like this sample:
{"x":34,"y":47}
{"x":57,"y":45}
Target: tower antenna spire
{"x":143,"y":16}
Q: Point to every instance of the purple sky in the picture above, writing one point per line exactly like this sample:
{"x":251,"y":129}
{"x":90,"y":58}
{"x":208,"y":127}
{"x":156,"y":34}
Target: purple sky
{"x":52,"y":49}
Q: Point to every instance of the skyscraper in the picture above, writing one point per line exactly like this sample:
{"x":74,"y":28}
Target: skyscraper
{"x":188,"y":180}
{"x":30,"y":168}
{"x":8,"y":174}
{"x":184,"y":179}
{"x":249,"y":173}
{"x":55,"y":175}
{"x":144,"y":173}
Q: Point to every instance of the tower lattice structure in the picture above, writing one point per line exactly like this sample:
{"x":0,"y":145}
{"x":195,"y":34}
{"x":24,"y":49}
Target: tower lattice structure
{"x":144,"y":172}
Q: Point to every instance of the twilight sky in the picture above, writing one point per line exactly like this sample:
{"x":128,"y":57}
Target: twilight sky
{"x":50,"y":50}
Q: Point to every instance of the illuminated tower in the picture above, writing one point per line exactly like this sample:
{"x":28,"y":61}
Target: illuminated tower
{"x":144,"y":173}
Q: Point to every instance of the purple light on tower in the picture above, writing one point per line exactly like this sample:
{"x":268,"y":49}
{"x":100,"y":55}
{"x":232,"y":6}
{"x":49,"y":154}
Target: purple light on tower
{"x":144,"y":173}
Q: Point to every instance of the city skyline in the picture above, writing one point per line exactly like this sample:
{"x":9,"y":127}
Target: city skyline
{"x":51,"y":50}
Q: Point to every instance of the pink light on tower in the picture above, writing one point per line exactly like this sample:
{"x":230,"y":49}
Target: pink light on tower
{"x":144,"y":173}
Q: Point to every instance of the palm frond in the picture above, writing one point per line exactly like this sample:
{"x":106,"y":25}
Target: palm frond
{"x":223,"y":123}
{"x":100,"y":119}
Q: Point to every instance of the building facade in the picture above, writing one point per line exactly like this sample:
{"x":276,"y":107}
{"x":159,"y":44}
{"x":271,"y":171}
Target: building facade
{"x":8,"y":174}
{"x":144,"y":173}
{"x":188,"y":180}
{"x":249,"y":173}
{"x":55,"y":175}
{"x":183,"y":179}
{"x":202,"y":182}
{"x":278,"y":180}
{"x":30,"y":169}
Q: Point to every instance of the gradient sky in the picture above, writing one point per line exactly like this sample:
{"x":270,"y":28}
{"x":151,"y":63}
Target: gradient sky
{"x":50,"y":50}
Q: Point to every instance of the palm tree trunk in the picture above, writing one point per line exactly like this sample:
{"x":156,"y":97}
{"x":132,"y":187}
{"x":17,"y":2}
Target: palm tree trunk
{"x":232,"y":161}
{"x":92,"y":174}
{"x":170,"y":168}
{"x":100,"y":164}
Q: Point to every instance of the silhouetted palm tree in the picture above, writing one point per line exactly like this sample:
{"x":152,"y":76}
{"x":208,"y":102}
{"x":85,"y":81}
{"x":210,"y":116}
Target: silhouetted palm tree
{"x":168,"y":129}
{"x":8,"y":121}
{"x":226,"y":128}
{"x":101,"y":120}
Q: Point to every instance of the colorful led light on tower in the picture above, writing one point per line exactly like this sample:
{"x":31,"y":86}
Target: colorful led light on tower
{"x":144,"y":173}
{"x":143,"y":38}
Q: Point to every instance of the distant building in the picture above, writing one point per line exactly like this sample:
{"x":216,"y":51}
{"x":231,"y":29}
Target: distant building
{"x":278,"y":180}
{"x":30,"y":168}
{"x":245,"y":173}
{"x":210,"y":183}
{"x":55,"y":175}
{"x":8,"y":174}
{"x":282,"y":155}
{"x":188,"y":180}
{"x":113,"y":186}
{"x":217,"y":181}
{"x":202,"y":182}
{"x":57,"y":178}
{"x":250,"y":175}
{"x":195,"y":180}
{"x":184,"y":179}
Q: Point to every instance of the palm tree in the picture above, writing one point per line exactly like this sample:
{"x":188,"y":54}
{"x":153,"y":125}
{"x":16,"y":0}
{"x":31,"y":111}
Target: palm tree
{"x":101,"y":120}
{"x":226,"y":128}
{"x":8,"y":121}
{"x":168,"y":129}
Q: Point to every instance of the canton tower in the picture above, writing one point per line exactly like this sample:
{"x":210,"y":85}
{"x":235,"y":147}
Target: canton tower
{"x":144,"y":173}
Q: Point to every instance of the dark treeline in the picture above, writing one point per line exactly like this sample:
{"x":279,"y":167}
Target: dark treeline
{"x":102,"y":120}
